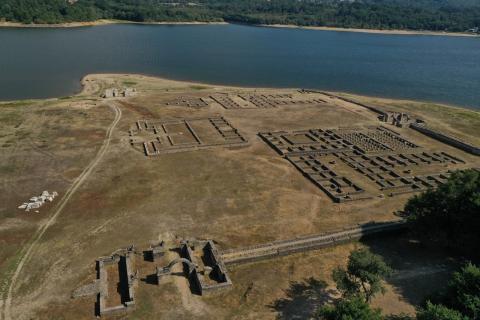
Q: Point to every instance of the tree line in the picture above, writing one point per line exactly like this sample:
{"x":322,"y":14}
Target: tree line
{"x":435,"y":15}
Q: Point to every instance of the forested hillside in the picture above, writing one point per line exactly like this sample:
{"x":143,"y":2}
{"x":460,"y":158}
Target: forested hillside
{"x":436,"y":15}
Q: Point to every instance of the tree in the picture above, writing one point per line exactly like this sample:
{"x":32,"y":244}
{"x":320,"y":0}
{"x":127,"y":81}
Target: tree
{"x":451,"y":15}
{"x":349,"y":309}
{"x":463,"y":292}
{"x":401,"y":316}
{"x":363,"y":276}
{"x":449,"y":215}
{"x":439,"y":312}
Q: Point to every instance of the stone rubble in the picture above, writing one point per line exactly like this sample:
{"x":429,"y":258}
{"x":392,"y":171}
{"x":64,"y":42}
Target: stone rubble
{"x":37,"y":202}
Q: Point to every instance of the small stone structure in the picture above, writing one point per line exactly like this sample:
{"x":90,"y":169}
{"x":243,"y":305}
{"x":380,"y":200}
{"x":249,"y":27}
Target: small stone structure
{"x":155,"y":137}
{"x":119,"y":263}
{"x":398,"y":119}
{"x":123,"y":258}
{"x":206,"y":271}
{"x":447,"y":139}
{"x":119,"y":93}
{"x":37,"y":202}
{"x":157,"y":250}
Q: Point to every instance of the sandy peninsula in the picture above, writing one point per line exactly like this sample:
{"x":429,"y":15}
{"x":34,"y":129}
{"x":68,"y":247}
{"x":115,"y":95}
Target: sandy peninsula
{"x":6,"y":24}
{"x":377,"y":31}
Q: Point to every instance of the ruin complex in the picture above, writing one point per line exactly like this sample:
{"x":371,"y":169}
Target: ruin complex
{"x":204,"y":265}
{"x":260,"y":101}
{"x":191,"y":102}
{"x":155,"y":137}
{"x":378,"y":153}
{"x":401,"y":119}
{"x":119,"y":93}
{"x":114,"y":286}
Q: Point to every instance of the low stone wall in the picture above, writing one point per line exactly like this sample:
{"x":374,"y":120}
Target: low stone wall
{"x":302,"y":244}
{"x":452,"y":141}
{"x":371,"y":108}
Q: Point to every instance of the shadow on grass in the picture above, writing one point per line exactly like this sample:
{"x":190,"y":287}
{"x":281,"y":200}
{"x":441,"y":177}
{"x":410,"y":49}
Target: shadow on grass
{"x":150,"y":279}
{"x":419,"y":271}
{"x":148,"y":256}
{"x":302,"y":299}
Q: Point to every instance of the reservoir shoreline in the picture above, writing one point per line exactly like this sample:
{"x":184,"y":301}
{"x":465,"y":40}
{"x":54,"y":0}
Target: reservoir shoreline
{"x":85,"y":87}
{"x":7,"y":24}
{"x":434,"y":69}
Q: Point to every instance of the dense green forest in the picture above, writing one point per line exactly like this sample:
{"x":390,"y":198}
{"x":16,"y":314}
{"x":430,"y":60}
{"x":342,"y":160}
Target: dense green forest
{"x":437,"y":15}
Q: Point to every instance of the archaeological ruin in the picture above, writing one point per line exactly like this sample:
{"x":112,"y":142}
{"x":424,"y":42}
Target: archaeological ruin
{"x":203,"y":264}
{"x":206,"y":270}
{"x":401,"y":120}
{"x":345,"y":163}
{"x":155,"y":137}
{"x":118,"y":93}
{"x":191,"y":102}
{"x":260,"y":101}
{"x":383,"y":156}
{"x":114,"y":286}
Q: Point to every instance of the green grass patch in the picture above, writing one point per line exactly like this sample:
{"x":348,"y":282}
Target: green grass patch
{"x":7,"y":270}
{"x":144,"y":307}
{"x":7,"y":168}
{"x":198,"y":87}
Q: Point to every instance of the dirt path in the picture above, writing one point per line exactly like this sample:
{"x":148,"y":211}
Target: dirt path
{"x":28,"y":249}
{"x":419,"y":272}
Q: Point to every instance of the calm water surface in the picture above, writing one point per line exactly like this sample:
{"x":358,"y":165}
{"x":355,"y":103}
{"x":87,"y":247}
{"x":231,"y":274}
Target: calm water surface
{"x":39,"y":63}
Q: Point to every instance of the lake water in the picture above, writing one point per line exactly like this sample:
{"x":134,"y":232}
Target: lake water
{"x":46,"y":62}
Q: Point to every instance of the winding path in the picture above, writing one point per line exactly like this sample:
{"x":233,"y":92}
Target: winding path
{"x":28,"y":249}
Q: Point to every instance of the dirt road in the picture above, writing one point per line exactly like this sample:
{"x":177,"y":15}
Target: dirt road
{"x":29,"y":248}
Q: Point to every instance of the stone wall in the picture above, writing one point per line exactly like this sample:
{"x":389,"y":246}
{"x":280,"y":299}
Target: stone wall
{"x":301,"y":244}
{"x":214,"y":259}
{"x":124,"y":258}
{"x":442,"y":137}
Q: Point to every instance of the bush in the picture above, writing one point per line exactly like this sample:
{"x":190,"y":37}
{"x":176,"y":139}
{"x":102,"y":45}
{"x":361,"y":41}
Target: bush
{"x":439,"y":312}
{"x":349,"y":309}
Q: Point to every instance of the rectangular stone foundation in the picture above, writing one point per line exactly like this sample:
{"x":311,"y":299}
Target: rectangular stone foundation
{"x":156,"y":137}
{"x":124,"y":261}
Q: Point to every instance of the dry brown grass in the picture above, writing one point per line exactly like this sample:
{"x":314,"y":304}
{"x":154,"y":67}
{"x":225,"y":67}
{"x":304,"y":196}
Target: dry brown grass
{"x":236,"y":196}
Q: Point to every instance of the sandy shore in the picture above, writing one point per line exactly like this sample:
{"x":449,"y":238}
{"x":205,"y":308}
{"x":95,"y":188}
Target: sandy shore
{"x":5,"y":24}
{"x":377,"y":31}
{"x":96,"y":23}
